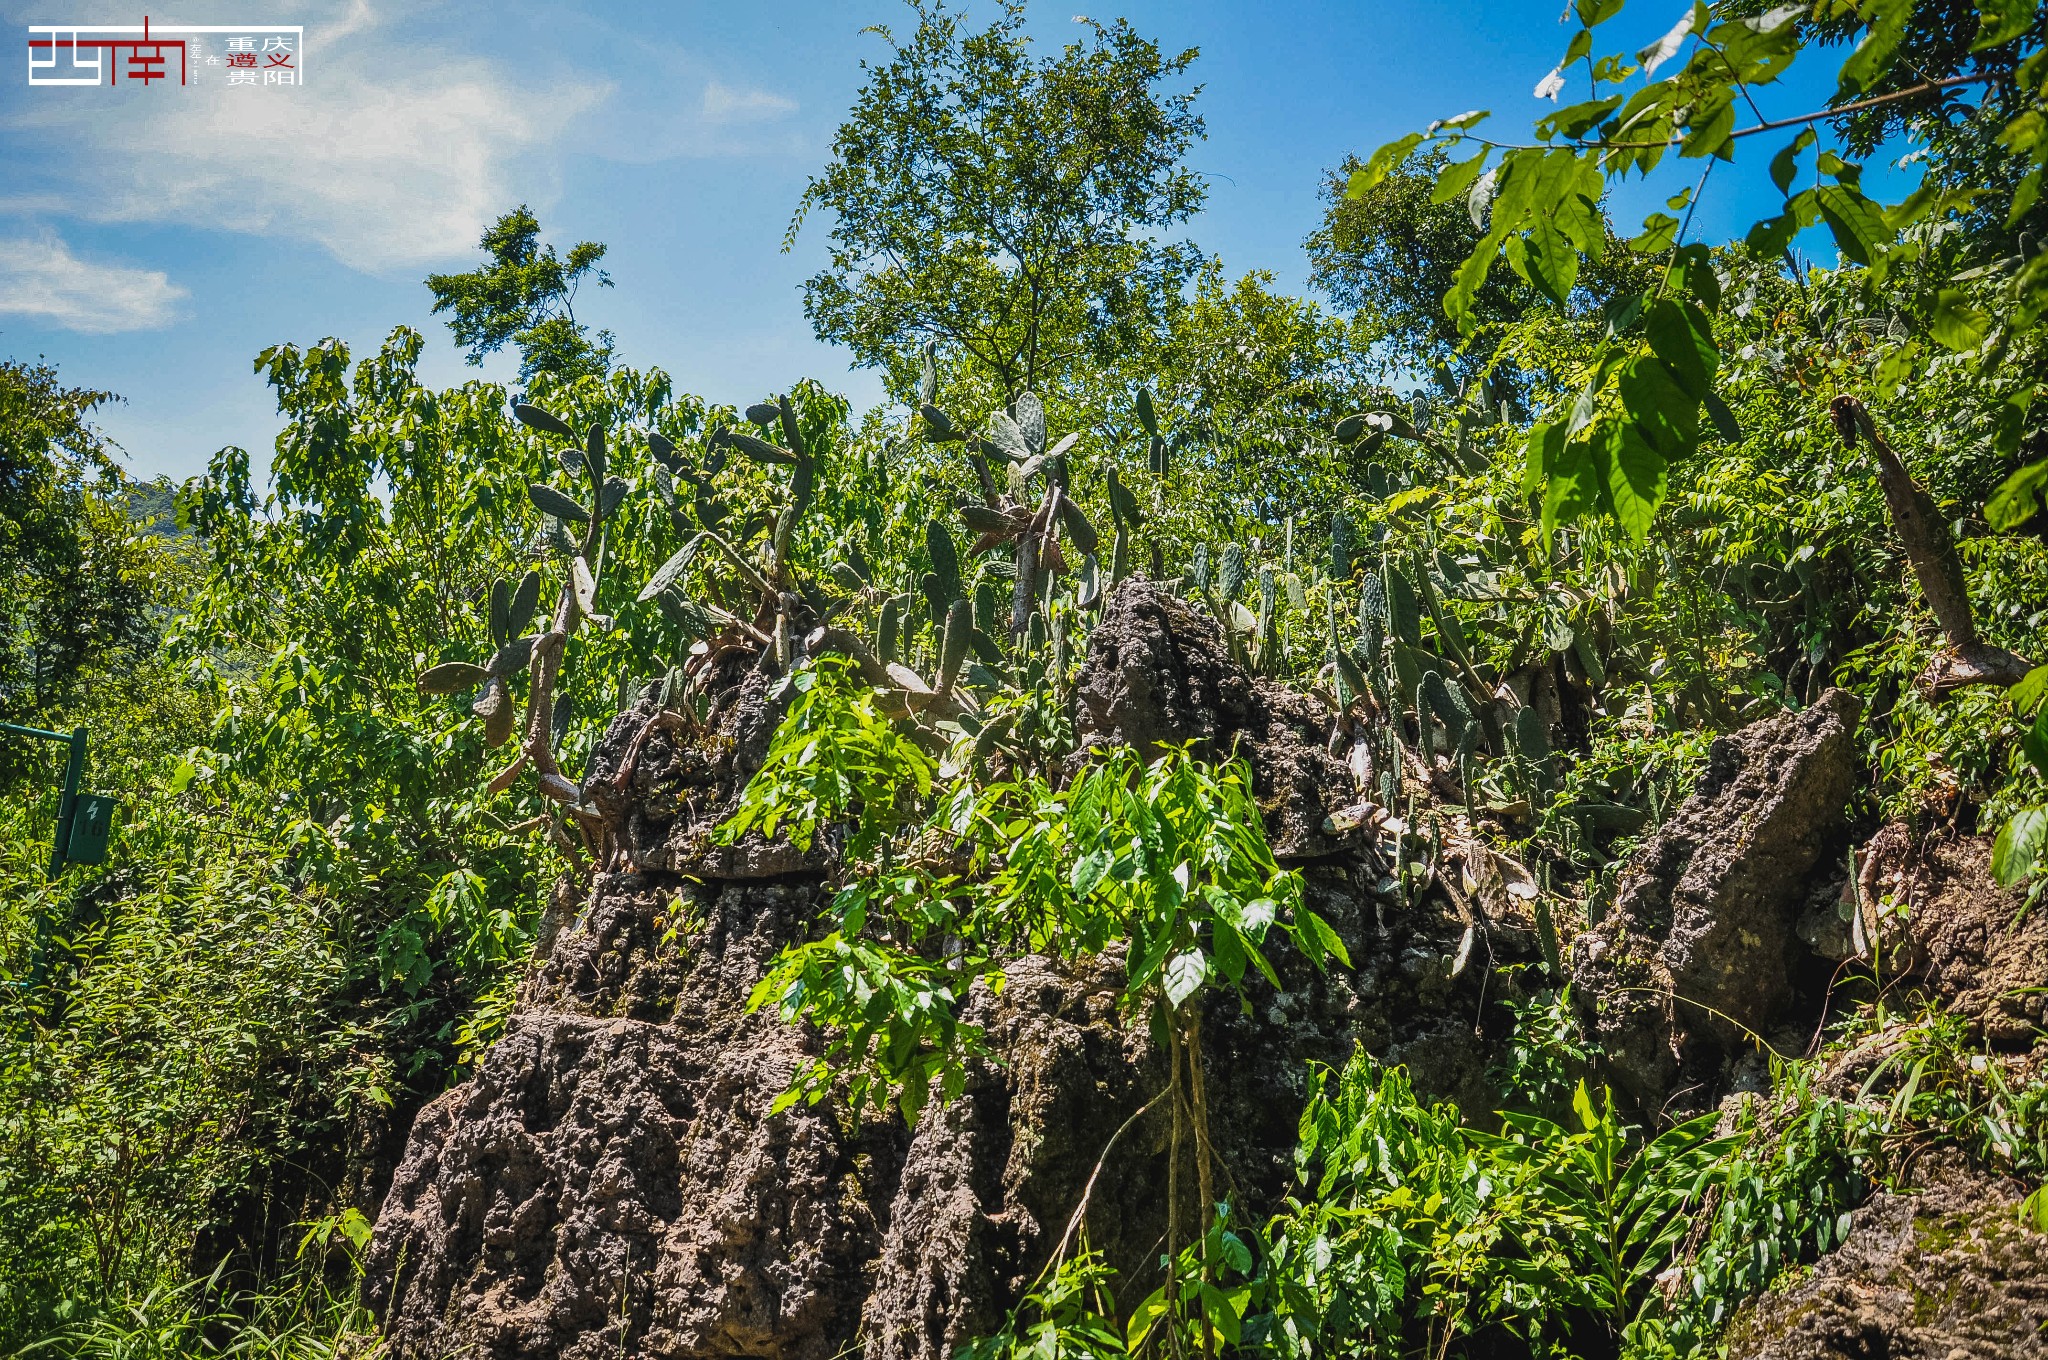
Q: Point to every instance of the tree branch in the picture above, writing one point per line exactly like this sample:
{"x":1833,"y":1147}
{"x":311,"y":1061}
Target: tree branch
{"x":1917,"y":521}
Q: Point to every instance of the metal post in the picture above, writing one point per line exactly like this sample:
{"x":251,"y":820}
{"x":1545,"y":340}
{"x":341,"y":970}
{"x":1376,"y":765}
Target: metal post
{"x":67,"y":802}
{"x":67,"y":807}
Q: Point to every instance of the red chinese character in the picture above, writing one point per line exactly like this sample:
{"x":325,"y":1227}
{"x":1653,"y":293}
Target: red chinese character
{"x":146,"y":67}
{"x":242,"y":59}
{"x":281,"y":59}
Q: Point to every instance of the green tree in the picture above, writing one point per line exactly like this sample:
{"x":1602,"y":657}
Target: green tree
{"x":1009,"y":210}
{"x":80,"y":577}
{"x":1938,"y":85}
{"x":526,"y":296}
{"x":1390,"y":254}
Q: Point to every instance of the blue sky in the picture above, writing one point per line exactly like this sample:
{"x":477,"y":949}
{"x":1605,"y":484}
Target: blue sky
{"x":154,"y":239}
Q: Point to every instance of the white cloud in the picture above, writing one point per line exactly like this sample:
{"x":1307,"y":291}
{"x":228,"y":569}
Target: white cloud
{"x":387,"y":162}
{"x":725,"y":106}
{"x":41,"y":279}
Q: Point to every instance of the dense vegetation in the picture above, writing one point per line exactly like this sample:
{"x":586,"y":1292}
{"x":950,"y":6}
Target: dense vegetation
{"x":1532,"y":463}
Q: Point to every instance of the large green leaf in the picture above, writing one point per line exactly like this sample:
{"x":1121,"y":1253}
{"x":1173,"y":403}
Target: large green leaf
{"x":1635,"y":478}
{"x":2018,"y":497}
{"x":2018,"y":850}
{"x":1667,"y":415}
{"x":1886,"y":21}
{"x":1681,"y":336}
{"x":2000,"y":21}
{"x":1185,"y":974}
{"x":1574,"y":486}
{"x":1785,"y":165}
{"x":1858,"y":224}
{"x":2035,"y":744}
{"x":1383,"y":163}
{"x":1956,"y":324}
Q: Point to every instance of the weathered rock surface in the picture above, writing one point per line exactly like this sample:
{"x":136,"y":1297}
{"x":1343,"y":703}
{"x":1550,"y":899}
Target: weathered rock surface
{"x":610,"y":1182}
{"x":1949,"y":1273}
{"x":1698,"y":950}
{"x":1948,"y":927}
{"x":1158,"y":672}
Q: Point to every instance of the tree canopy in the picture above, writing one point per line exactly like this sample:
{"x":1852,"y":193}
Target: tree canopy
{"x":526,"y":297}
{"x":1012,"y":210}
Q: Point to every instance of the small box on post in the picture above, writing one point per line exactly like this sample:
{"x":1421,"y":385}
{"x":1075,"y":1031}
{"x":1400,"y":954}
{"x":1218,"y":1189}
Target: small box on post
{"x":83,"y":820}
{"x":92,"y":820}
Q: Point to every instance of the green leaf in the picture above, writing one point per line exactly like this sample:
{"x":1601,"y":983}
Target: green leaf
{"x":1659,"y":406}
{"x":2024,"y":196}
{"x":1957,"y":325}
{"x":1185,"y":974}
{"x":1582,"y":1105}
{"x":1539,"y":453}
{"x":1681,"y":336}
{"x":1770,"y":237}
{"x":1635,"y":478}
{"x":1711,"y":132}
{"x":1873,"y":56}
{"x":1724,"y":420}
{"x":1593,"y":13}
{"x":1471,"y":274}
{"x":1858,"y":224}
{"x":2027,"y":694}
{"x":2035,"y":744}
{"x":1659,"y":234}
{"x":1383,"y":163}
{"x":1546,"y":259}
{"x":1574,"y":486}
{"x":1088,"y":872}
{"x":2017,"y":852}
{"x":1456,"y":178}
{"x":1325,"y":938}
{"x":1785,"y":165}
{"x":1236,"y":1254}
{"x":1576,"y":120}
{"x":2000,"y":21}
{"x":2017,"y":497}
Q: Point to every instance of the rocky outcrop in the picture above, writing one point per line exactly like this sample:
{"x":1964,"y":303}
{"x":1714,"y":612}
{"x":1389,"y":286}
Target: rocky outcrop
{"x":1698,"y":952}
{"x":1949,"y":930}
{"x":1158,"y":672}
{"x":1949,"y":1273}
{"x":610,"y":1180}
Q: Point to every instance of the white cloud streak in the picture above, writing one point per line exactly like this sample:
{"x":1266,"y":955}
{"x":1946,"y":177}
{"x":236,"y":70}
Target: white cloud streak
{"x":725,"y":106}
{"x":41,"y":279}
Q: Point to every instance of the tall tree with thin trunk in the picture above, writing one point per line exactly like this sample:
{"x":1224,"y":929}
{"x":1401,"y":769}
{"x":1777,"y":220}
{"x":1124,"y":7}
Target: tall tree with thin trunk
{"x":1013,"y":210}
